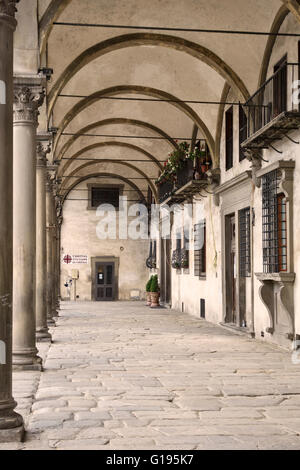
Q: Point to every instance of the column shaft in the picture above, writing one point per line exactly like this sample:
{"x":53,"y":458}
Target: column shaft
{"x":11,"y":424}
{"x":50,"y":229}
{"x":42,"y":333}
{"x":27,"y":100}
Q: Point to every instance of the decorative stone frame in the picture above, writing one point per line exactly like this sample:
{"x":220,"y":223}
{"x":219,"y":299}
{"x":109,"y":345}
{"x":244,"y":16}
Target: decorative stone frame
{"x":277,"y":289}
{"x":104,"y":186}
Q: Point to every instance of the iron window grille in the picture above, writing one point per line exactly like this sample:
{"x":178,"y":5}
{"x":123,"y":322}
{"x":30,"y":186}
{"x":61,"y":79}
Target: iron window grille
{"x":105,"y":196}
{"x":245,"y":243}
{"x":274,"y":225}
{"x":200,"y":249}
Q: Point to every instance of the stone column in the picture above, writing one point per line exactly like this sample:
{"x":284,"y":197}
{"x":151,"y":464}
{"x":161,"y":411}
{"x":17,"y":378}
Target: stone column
{"x":28,"y":97}
{"x":50,"y":229}
{"x":11,"y":424}
{"x":42,"y":333}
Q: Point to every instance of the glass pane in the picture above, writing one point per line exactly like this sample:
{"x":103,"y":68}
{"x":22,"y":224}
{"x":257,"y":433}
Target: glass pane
{"x":100,"y":275}
{"x":109,"y":274}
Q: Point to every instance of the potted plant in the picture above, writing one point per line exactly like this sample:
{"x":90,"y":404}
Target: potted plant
{"x":148,"y":291}
{"x":154,"y":289}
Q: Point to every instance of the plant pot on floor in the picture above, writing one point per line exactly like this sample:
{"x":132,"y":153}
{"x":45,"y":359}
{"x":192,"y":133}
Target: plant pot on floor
{"x":148,"y":297}
{"x":154,"y":299}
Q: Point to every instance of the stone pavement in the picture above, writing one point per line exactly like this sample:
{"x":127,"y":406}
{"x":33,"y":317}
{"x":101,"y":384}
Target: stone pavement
{"x":122,"y":376}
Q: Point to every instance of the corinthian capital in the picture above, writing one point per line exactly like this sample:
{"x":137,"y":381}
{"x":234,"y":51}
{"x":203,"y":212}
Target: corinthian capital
{"x":27,"y":101}
{"x":8,"y":7}
{"x":42,"y":149}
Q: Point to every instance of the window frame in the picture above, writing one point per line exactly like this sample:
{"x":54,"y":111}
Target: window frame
{"x":200,"y":260}
{"x":229,"y":129}
{"x":91,"y":186}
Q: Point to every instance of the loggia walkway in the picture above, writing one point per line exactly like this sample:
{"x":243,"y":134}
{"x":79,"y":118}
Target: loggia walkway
{"x":122,"y":376}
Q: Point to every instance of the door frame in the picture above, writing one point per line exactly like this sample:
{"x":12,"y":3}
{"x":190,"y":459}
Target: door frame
{"x":105,"y":259}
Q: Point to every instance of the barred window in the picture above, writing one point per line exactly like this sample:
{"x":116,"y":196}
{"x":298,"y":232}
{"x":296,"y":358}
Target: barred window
{"x":200,"y":249}
{"x":245,"y":244}
{"x":274,"y":225}
{"x":105,"y":196}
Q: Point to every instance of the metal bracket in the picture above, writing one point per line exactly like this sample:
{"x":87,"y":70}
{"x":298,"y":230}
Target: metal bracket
{"x":278,"y":151}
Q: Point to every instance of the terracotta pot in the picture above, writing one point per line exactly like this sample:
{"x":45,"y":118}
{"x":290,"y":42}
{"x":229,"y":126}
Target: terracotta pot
{"x":148,"y":297}
{"x":154,"y":299}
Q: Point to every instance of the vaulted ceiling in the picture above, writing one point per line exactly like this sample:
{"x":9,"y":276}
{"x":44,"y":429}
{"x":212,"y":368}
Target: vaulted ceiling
{"x":94,"y":64}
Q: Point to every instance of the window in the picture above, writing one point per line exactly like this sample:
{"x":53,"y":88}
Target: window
{"x":243,"y":122}
{"x":274,"y":225}
{"x":229,"y":138}
{"x":282,"y":232}
{"x":102,"y":195}
{"x":245,"y":246}
{"x":280,"y":87}
{"x":200,"y":249}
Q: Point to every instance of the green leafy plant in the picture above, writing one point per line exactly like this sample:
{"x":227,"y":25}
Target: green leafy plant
{"x":154,"y":284}
{"x":148,"y":285}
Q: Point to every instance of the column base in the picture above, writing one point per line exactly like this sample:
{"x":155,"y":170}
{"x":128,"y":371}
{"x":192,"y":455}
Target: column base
{"x":11,"y":423}
{"x":43,"y":336}
{"x":51,"y":322}
{"x":27,"y":360}
{"x":12,"y":435}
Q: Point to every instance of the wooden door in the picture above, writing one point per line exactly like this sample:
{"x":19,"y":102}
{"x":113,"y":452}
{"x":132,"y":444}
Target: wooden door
{"x":104,"y":282}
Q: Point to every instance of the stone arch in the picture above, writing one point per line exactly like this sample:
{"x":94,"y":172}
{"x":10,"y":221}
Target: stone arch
{"x":113,"y":121}
{"x":293,"y":6}
{"x":142,"y":39}
{"x":136,"y":89}
{"x":109,"y":144}
{"x":276,"y":25}
{"x":108,"y":175}
{"x":107,"y":160}
{"x":53,"y":11}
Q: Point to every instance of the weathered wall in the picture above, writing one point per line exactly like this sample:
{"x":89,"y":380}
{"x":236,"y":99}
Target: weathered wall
{"x":79,"y":237}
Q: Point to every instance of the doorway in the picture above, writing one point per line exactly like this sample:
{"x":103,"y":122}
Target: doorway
{"x":165,"y":274}
{"x":280,"y":87}
{"x":105,"y":278}
{"x":104,"y":281}
{"x":231,"y":272}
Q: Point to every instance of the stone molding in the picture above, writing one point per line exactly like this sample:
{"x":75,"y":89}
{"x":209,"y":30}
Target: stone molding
{"x":277,"y":289}
{"x":228,"y":185}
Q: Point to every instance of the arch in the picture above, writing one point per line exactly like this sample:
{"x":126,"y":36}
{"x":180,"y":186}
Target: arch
{"x":294,"y":7}
{"x":136,"y":89}
{"x":142,"y":39}
{"x":276,"y":25}
{"x":108,"y":175}
{"x":107,"y":160}
{"x":54,"y":10}
{"x":109,"y":144}
{"x":105,"y":122}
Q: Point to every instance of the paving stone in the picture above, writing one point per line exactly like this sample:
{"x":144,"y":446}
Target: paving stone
{"x":130,"y":378}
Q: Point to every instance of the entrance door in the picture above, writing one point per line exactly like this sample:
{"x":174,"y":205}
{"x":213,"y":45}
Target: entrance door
{"x":231,"y":273}
{"x":280,"y":87}
{"x":105,"y":273}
